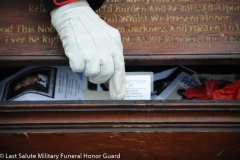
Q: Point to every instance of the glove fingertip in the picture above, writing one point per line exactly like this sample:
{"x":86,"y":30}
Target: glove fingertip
{"x":117,"y":96}
{"x":117,"y":87}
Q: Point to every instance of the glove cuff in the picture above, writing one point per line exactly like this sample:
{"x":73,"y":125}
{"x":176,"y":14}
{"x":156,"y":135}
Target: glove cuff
{"x":69,"y":11}
{"x":49,"y":5}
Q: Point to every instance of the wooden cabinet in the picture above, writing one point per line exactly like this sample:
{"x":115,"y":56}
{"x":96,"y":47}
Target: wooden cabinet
{"x":155,"y":34}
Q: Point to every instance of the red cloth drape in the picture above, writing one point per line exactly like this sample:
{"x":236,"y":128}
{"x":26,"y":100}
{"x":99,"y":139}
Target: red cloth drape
{"x":210,"y":91}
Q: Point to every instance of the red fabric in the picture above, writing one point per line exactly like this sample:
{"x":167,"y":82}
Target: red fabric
{"x":204,"y":91}
{"x":64,"y":2}
{"x":210,"y":91}
{"x":196,"y":92}
{"x":230,"y":91}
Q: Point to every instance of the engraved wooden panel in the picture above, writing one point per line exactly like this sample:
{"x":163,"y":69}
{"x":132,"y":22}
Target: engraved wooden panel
{"x":26,"y":29}
{"x":176,"y":26}
{"x":152,"y":30}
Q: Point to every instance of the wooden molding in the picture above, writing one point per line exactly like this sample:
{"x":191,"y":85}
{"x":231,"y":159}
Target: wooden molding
{"x":122,"y":116}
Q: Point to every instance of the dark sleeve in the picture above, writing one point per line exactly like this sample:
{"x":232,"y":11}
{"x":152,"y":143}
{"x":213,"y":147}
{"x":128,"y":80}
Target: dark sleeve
{"x":94,"y":4}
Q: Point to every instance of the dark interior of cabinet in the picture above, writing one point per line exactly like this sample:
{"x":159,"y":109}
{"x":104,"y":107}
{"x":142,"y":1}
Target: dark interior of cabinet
{"x":210,"y":69}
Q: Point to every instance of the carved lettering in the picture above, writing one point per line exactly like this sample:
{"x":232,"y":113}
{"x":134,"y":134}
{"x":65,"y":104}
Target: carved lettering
{"x":6,"y":29}
{"x":162,"y":8}
{"x":178,"y":28}
{"x":133,"y":18}
{"x":52,"y":40}
{"x":207,"y":17}
{"x":229,"y":27}
{"x":162,"y":1}
{"x":142,"y":38}
{"x":232,"y":37}
{"x":147,"y":21}
{"x":185,"y":38}
{"x":154,"y":38}
{"x":157,"y":18}
{"x":194,"y":8}
{"x":229,"y":7}
{"x":176,"y":18}
{"x":11,"y":39}
{"x":186,"y":0}
{"x":46,"y":29}
{"x":207,"y":0}
{"x":127,"y":39}
{"x":133,"y":8}
{"x":134,"y":1}
{"x":113,"y":0}
{"x":208,"y":38}
{"x":33,"y":39}
{"x":110,"y":18}
{"x":36,"y":8}
{"x":173,"y":8}
{"x":24,"y":28}
{"x":238,"y":27}
{"x":106,"y":8}
{"x":121,"y":29}
{"x":204,"y":28}
{"x":144,"y":28}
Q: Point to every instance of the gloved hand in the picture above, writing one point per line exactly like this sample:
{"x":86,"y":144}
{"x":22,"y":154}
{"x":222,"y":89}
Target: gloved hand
{"x":92,"y":46}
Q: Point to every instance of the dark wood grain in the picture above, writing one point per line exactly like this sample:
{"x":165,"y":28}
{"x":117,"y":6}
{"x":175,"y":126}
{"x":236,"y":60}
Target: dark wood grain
{"x":137,"y":130}
{"x":90,"y":116}
{"x":130,"y":145}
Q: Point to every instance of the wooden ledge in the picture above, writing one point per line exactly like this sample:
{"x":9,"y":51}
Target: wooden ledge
{"x":120,"y":116}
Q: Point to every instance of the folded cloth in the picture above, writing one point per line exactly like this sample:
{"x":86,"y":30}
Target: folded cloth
{"x":230,"y":91}
{"x":210,"y":90}
{"x":204,"y":91}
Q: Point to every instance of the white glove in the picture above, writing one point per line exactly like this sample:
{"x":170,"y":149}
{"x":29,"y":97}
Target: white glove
{"x":92,"y":46}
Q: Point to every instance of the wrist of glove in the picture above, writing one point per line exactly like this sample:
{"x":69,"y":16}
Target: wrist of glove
{"x":92,"y":46}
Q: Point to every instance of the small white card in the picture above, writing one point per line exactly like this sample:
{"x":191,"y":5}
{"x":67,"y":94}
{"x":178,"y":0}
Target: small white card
{"x":139,"y":85}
